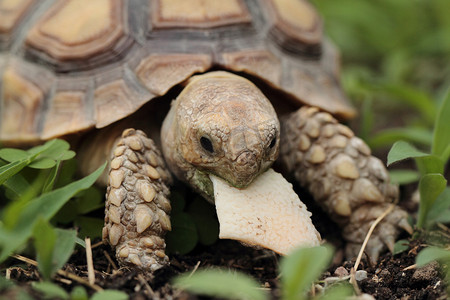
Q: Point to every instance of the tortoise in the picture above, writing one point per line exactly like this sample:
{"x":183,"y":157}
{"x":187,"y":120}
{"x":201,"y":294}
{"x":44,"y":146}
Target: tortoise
{"x":233,"y":67}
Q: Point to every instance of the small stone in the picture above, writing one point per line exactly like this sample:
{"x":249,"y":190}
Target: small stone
{"x":342,"y":206}
{"x":124,"y":252}
{"x":151,"y":172}
{"x":119,"y":150}
{"x":316,"y":155}
{"x":345,"y":168}
{"x":146,"y":191}
{"x":115,"y":233}
{"x":114,"y":214}
{"x":339,"y":141}
{"x":116,"y":178}
{"x":304,"y":143}
{"x":134,"y":143}
{"x":143,"y":217}
{"x":360,"y":275}
{"x":341,"y":272}
{"x":116,"y":163}
{"x":116,"y":196}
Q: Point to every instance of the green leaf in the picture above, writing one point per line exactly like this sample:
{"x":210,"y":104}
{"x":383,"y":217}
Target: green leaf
{"x":430,"y":187}
{"x":80,"y":242}
{"x":300,"y":268}
{"x":18,"y":185}
{"x":5,"y":283}
{"x":389,"y":136}
{"x":415,"y":98}
{"x":50,"y":180}
{"x":183,"y":237}
{"x":50,"y":290}
{"x":204,"y":216}
{"x":65,"y":239}
{"x":441,"y":137}
{"x":403,"y":176}
{"x":53,"y":148}
{"x":439,"y":212}
{"x":11,"y":154}
{"x":177,"y":201}
{"x":90,"y":200}
{"x":221,"y":284}
{"x":430,"y":254}
{"x":42,"y":163}
{"x":337,"y":291}
{"x":11,"y":169}
{"x":110,"y":295}
{"x":429,"y":164}
{"x":79,"y":293}
{"x":400,"y":246}
{"x":402,"y":150}
{"x":44,"y":243}
{"x":46,"y":206}
{"x":89,"y":227}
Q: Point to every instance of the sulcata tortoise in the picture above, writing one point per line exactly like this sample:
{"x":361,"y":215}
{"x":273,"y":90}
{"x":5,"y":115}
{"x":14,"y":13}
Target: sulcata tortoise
{"x":253,"y":82}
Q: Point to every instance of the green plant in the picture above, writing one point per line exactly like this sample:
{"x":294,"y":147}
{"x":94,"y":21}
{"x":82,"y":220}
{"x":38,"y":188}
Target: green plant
{"x":394,"y":69}
{"x":298,"y":271}
{"x":36,"y":186}
{"x":430,"y":167}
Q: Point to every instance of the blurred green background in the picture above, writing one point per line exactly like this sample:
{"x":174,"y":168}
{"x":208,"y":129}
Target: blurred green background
{"x":396,"y":64}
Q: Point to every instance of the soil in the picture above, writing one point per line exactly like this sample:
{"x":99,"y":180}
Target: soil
{"x":394,"y":277}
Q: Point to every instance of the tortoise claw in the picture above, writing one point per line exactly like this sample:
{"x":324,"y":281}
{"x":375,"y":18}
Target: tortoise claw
{"x":389,"y":241}
{"x":404,"y":224}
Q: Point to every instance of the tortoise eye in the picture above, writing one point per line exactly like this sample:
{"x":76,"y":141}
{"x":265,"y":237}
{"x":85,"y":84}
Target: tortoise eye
{"x":273,"y":142}
{"x":206,"y":144}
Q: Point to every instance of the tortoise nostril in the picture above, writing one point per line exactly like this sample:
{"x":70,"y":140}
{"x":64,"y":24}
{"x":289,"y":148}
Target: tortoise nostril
{"x":247,"y":159}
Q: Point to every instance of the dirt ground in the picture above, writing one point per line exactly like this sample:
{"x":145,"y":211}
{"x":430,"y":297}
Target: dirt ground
{"x":394,"y":277}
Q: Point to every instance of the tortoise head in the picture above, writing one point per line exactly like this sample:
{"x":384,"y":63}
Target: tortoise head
{"x":220,"y":124}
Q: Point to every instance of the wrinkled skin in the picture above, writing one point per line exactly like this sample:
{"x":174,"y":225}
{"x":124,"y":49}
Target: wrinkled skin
{"x":220,"y":125}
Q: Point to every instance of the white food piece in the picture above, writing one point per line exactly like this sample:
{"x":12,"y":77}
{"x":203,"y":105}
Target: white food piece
{"x":268,"y":213}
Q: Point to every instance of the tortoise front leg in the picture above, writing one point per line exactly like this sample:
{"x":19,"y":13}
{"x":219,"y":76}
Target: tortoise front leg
{"x":137,"y":207}
{"x":338,"y":170}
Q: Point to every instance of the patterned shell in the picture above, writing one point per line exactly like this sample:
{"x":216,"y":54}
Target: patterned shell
{"x":72,"y":65}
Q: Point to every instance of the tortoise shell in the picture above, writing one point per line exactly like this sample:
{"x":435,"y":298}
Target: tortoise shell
{"x":71,"y":65}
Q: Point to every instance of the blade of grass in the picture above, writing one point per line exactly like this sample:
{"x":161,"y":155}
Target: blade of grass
{"x":46,"y":206}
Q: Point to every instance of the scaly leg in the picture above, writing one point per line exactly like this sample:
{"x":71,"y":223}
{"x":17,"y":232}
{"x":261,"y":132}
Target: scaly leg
{"x":137,"y":207}
{"x":338,"y":170}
